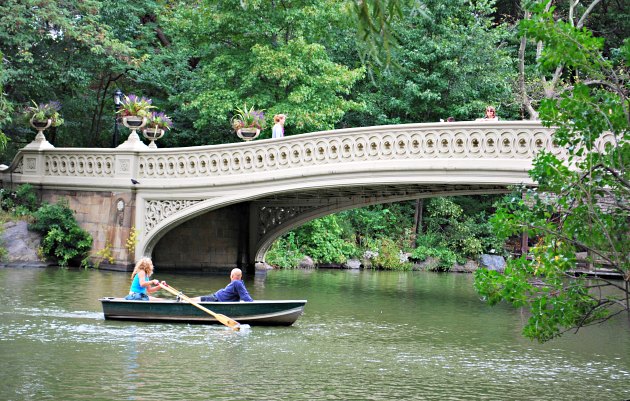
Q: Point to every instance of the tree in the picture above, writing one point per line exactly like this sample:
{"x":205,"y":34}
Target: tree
{"x":273,"y":62}
{"x":6,"y":108}
{"x":580,"y":205}
{"x":450,"y":60}
{"x":608,"y":18}
{"x":74,"y":52}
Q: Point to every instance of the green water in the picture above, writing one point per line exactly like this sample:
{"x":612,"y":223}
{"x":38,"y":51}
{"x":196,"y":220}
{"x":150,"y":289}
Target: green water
{"x":364,"y":336}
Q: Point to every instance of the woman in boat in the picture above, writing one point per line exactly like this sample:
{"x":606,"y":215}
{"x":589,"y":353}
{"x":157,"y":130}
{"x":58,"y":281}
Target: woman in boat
{"x":141,"y":282}
{"x":233,"y":292}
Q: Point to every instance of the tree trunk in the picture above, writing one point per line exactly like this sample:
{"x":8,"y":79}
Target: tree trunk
{"x":417,"y":222}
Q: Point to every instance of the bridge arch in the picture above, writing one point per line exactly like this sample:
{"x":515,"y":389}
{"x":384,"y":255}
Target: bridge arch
{"x":279,"y":206}
{"x":266,"y":241}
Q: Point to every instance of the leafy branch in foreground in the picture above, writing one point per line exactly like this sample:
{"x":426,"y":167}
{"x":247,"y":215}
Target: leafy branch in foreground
{"x":580,"y":204}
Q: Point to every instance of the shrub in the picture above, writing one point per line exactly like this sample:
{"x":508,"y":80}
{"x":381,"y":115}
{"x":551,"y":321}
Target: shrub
{"x":284,"y":252}
{"x":20,"y":202}
{"x":466,"y":236}
{"x":445,"y":257}
{"x":64,"y":241}
{"x":389,"y":255}
{"x":322,"y":239}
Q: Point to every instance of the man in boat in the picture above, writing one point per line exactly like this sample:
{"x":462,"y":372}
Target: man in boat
{"x":233,"y":292}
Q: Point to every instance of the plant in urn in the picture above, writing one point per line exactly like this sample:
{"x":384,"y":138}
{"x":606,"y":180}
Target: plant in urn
{"x":157,"y":125}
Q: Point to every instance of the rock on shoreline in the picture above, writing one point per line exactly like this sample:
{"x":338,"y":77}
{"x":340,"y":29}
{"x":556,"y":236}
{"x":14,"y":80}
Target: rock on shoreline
{"x":21,"y":245}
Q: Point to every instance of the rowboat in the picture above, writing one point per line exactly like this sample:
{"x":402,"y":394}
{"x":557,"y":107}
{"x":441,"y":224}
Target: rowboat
{"x":259,"y":313}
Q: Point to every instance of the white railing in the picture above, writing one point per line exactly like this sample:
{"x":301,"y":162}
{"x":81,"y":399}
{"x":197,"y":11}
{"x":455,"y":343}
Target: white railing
{"x":508,"y":140}
{"x":460,"y":140}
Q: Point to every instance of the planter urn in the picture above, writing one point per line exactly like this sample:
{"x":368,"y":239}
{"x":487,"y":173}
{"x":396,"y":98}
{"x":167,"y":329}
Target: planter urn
{"x":248,"y":133}
{"x":153,"y":134}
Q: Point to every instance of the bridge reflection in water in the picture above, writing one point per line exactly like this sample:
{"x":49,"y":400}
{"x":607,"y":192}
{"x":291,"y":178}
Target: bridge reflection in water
{"x":215,"y":207}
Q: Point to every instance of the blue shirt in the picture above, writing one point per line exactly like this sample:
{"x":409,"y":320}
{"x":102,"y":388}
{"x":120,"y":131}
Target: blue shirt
{"x":135,"y":285}
{"x":233,"y":292}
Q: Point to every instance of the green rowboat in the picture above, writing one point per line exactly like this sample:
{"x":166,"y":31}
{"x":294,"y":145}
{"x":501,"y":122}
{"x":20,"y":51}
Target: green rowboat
{"x":259,"y":313}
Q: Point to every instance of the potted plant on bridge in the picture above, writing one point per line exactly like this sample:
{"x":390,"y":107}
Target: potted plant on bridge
{"x":135,"y":110}
{"x":157,"y":125}
{"x":43,"y":115}
{"x":247,"y":122}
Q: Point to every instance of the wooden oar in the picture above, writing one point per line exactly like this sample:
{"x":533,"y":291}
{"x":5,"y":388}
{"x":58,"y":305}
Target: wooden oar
{"x":231,"y":323}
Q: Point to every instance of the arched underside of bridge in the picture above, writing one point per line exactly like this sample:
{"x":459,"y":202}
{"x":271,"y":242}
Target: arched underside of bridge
{"x":281,"y":216}
{"x":237,"y":230}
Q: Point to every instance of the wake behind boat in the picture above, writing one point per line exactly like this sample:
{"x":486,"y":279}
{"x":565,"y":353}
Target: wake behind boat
{"x":259,"y":313}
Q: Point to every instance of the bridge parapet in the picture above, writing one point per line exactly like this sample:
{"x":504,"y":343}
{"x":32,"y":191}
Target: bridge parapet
{"x":113,"y":167}
{"x":463,"y":140}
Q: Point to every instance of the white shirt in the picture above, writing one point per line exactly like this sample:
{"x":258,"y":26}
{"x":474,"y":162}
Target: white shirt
{"x":277,"y":131}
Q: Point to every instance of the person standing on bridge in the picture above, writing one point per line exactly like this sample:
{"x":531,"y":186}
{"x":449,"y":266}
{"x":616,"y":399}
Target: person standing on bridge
{"x":278,"y":128}
{"x":233,"y":292}
{"x":491,"y":114}
{"x":141,"y":282}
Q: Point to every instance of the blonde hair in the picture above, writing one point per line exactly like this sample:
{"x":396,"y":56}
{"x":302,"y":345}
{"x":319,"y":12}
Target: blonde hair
{"x":145,"y":264}
{"x":277,"y":117}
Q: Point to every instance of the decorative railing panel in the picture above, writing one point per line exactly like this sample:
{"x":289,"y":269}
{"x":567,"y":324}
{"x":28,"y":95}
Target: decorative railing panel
{"x":79,"y":165}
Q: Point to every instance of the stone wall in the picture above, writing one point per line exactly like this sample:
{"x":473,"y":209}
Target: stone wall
{"x":214,"y":241}
{"x":107,"y":216}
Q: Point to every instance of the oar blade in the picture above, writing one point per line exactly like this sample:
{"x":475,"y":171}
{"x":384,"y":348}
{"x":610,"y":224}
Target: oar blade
{"x":231,"y":323}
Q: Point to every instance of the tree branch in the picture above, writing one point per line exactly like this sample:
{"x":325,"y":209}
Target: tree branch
{"x":580,"y":23}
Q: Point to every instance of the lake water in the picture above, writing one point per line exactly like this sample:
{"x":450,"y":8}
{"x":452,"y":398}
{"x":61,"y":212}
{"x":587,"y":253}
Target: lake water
{"x":364,"y":336}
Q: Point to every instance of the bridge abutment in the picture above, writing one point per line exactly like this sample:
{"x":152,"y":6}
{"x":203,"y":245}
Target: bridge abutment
{"x":108,"y":217}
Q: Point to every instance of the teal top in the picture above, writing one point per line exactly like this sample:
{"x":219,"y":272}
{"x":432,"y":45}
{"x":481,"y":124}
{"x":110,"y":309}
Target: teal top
{"x":135,"y":285}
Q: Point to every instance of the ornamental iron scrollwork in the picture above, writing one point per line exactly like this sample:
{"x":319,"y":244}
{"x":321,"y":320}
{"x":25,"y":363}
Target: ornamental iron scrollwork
{"x":274,"y":216}
{"x":158,"y":210}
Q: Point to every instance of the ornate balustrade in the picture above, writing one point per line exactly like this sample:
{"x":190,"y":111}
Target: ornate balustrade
{"x":461,"y":140}
{"x":474,"y":140}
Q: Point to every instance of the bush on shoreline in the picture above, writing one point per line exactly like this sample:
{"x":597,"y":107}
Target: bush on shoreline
{"x":63,"y":241}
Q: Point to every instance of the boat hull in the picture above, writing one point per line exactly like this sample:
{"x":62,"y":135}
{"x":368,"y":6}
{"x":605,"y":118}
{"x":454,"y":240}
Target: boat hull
{"x":259,"y":313}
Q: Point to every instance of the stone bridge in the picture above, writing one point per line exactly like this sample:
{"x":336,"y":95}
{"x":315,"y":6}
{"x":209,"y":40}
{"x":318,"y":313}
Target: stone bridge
{"x":220,"y":206}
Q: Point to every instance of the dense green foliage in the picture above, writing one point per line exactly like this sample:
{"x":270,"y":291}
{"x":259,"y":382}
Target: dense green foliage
{"x":74,"y":52}
{"x":64,"y":241}
{"x":451,"y":61}
{"x":21,"y":202}
{"x":581,"y":206}
{"x":305,"y":58}
{"x":381,"y":236}
{"x":6,"y":108}
{"x":198,"y":61}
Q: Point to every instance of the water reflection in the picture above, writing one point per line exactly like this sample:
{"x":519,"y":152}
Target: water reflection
{"x":364,"y":335}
